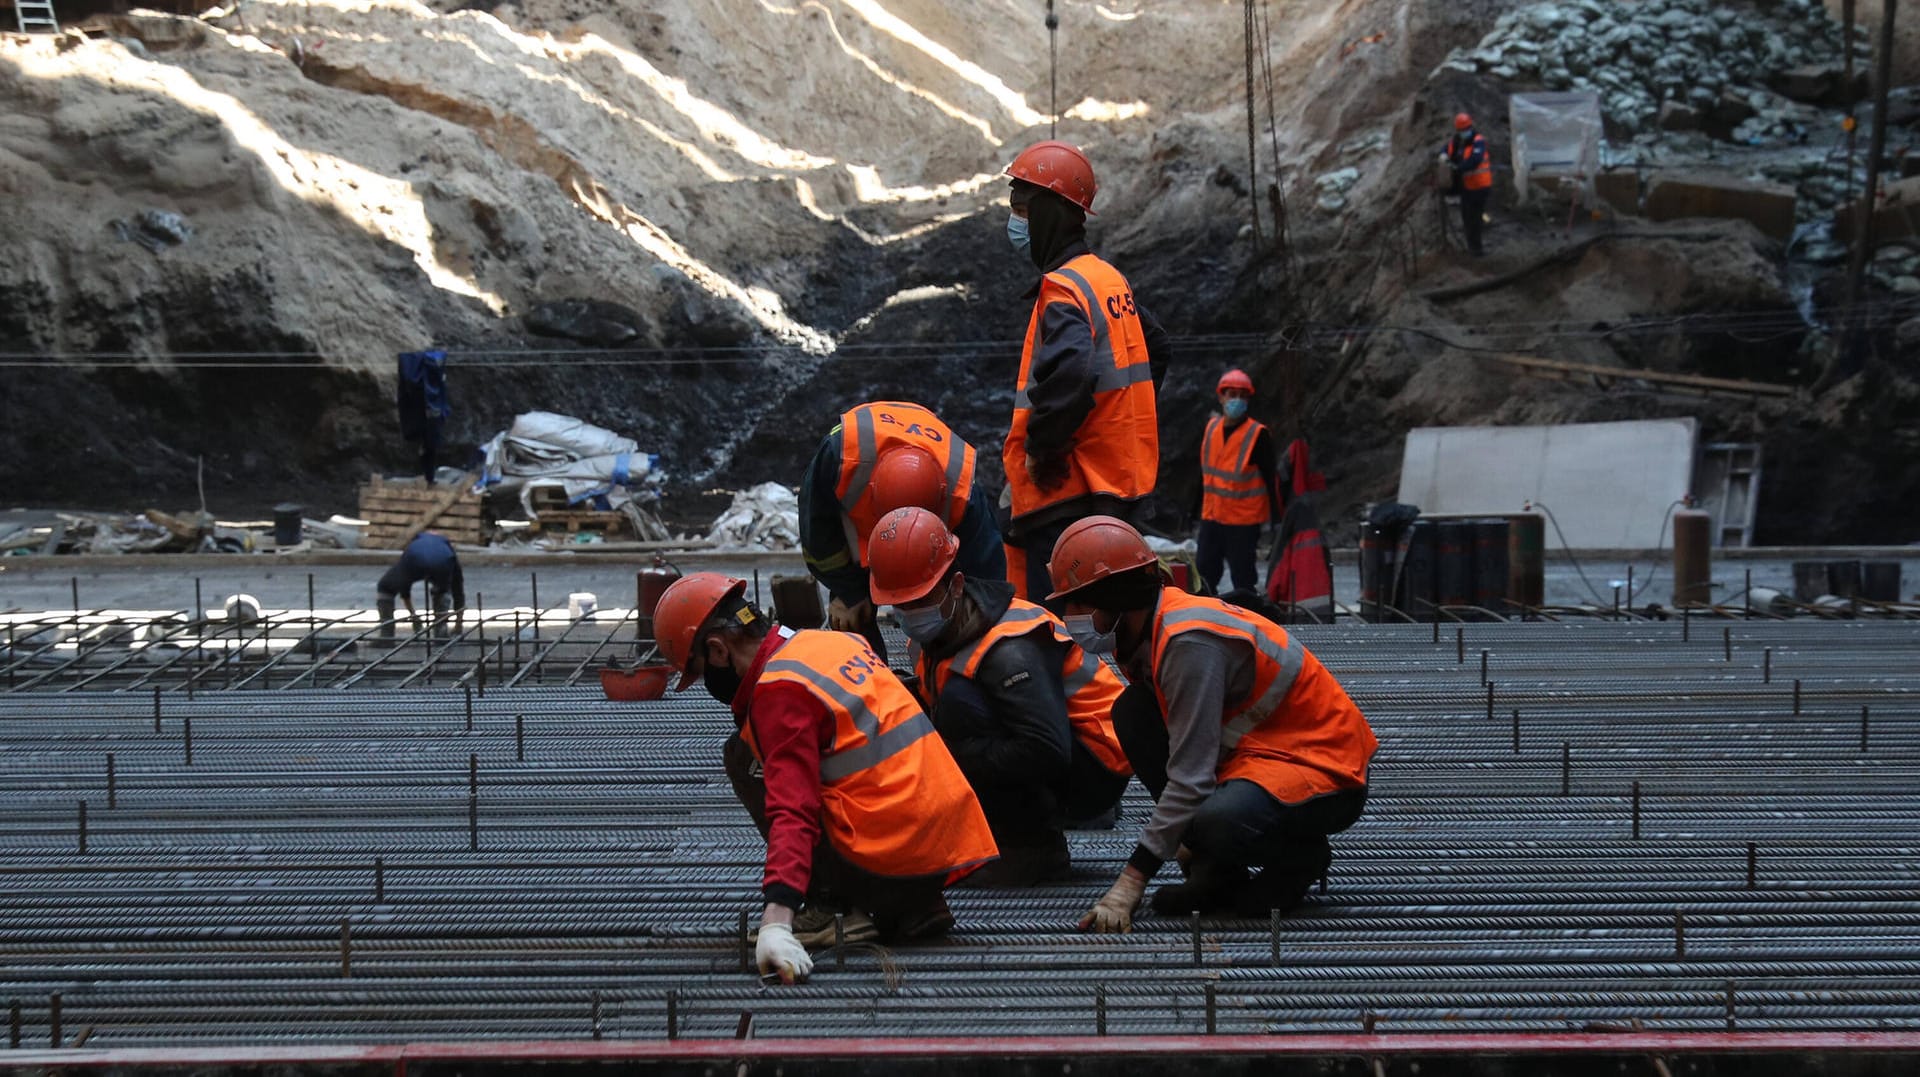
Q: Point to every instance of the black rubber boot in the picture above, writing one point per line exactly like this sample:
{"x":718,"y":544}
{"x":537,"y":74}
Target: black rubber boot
{"x":1210,"y":887}
{"x":1283,"y":885}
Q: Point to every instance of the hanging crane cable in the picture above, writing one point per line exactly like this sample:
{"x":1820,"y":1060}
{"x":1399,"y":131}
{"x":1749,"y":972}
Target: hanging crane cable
{"x":1053,"y":72}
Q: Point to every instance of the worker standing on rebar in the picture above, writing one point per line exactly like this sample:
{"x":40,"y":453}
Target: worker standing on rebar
{"x":880,"y":457}
{"x":1239,"y":488}
{"x":430,"y":557}
{"x":1026,"y":713}
{"x":1252,"y":751}
{"x":1085,"y":435}
{"x":865,"y":814}
{"x":1472,"y":167}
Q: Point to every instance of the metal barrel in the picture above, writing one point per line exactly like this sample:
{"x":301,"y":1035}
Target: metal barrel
{"x":1527,"y":560}
{"x":1490,"y":544}
{"x":1692,"y":558}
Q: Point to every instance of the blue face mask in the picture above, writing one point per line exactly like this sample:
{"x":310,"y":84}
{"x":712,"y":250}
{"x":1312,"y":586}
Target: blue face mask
{"x":1090,"y":639}
{"x":1234,"y":407}
{"x":1017,"y":234}
{"x":923,"y":625}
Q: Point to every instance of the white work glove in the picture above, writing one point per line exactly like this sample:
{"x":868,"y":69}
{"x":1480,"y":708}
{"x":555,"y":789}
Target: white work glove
{"x":778,"y":952}
{"x":1113,"y":914}
{"x":844,"y":618}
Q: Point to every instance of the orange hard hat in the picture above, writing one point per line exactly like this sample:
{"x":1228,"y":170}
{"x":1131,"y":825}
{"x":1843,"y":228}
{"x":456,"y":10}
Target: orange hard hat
{"x":1462,"y":121}
{"x":1092,"y":549}
{"x":1234,"y":379}
{"x":1060,"y":168}
{"x":906,"y":476}
{"x":910,"y":551}
{"x":687,"y":604}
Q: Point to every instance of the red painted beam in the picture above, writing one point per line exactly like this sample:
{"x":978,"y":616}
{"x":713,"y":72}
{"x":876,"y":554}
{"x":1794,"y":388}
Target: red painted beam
{"x":1411,"y":1044}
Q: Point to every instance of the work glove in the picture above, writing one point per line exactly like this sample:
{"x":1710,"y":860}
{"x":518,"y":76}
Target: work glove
{"x":1048,"y":473}
{"x":778,"y":953}
{"x":1113,"y":914}
{"x":844,"y":618}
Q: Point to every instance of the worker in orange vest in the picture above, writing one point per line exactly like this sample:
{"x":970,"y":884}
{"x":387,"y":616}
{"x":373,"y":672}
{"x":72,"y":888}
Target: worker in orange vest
{"x":1472,"y":166}
{"x":880,"y":457}
{"x":1085,"y":435}
{"x":1025,"y":712}
{"x":1239,"y":487}
{"x":1251,"y":749}
{"x":865,"y":814}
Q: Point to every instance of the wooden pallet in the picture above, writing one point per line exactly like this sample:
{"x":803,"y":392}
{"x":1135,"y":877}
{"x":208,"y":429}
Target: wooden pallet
{"x":571,"y":522}
{"x":396,"y":512}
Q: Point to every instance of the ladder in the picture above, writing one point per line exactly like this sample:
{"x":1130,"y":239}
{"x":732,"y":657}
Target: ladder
{"x":36,"y":15}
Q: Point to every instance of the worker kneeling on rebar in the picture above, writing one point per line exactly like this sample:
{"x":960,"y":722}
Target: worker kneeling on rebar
{"x":866,"y":816}
{"x":1026,"y":713}
{"x":1253,"y":753}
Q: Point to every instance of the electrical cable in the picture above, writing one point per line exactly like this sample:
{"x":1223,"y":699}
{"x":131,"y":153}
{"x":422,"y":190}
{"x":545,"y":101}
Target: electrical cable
{"x":1568,"y":548}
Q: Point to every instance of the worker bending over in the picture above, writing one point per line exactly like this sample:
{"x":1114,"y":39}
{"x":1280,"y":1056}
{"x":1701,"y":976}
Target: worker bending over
{"x":1252,"y":751}
{"x":1085,"y":435}
{"x":1024,"y":711}
{"x":881,"y":457}
{"x":1239,"y":488}
{"x":430,"y":558}
{"x":864,"y":812}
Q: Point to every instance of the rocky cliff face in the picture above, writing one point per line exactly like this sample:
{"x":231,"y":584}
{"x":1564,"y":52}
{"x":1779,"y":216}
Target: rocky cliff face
{"x":749,"y":214}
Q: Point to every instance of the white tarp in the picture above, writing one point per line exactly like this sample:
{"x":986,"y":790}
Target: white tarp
{"x":587,"y":461}
{"x":1608,"y":484}
{"x":766,"y":517}
{"x":1555,"y":136}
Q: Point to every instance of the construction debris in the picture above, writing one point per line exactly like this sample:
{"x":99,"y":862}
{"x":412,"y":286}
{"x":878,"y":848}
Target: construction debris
{"x":767,"y":517}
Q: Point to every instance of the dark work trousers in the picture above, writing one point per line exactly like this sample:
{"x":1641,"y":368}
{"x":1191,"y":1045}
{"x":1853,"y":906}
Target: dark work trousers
{"x":1473,"y":214}
{"x":897,"y":905}
{"x":1022,"y":814}
{"x":1237,"y":545}
{"x":442,"y":605}
{"x":1240,"y":824}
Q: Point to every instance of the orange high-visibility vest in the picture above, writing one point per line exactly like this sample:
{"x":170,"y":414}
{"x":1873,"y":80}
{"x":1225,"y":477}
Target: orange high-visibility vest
{"x":870,"y":430}
{"x":893,"y":801}
{"x":1231,"y":490}
{"x":1481,"y":177}
{"x":1117,"y":449}
{"x":1091,"y":686}
{"x":1295,"y":733}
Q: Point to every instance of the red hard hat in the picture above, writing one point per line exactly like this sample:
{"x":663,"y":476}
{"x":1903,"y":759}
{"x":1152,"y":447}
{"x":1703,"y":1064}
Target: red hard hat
{"x":910,"y":551}
{"x":687,"y":604}
{"x":1462,"y":121}
{"x":1060,"y":168}
{"x":1234,"y":379}
{"x":1092,"y":549}
{"x":905,"y":476}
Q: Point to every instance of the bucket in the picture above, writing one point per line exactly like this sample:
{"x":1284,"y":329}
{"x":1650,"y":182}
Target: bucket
{"x":286,"y":523}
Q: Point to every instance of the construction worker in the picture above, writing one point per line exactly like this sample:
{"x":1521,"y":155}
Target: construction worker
{"x":899,"y":454}
{"x":429,"y":557}
{"x":1252,"y":751}
{"x":1024,"y":711}
{"x":1085,"y":435}
{"x":1239,"y":487}
{"x":1472,"y":167}
{"x":864,"y":812}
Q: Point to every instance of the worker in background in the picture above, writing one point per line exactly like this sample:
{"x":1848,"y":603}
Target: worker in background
{"x":1472,"y":167}
{"x":881,"y":457}
{"x":1239,"y":487}
{"x":1025,"y":712}
{"x":1085,"y":435}
{"x":429,"y":557}
{"x":1252,"y":751}
{"x":864,"y":812}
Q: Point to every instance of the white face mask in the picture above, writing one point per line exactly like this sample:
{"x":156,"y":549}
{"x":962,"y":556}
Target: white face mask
{"x":1090,"y":639}
{"x":924,"y":625}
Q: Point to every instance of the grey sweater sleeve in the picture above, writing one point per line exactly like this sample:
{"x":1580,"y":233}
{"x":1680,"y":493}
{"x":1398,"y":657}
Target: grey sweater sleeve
{"x":1193,"y":676}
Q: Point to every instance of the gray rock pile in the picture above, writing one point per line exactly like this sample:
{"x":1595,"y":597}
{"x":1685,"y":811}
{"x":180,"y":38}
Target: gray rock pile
{"x":1707,"y":65}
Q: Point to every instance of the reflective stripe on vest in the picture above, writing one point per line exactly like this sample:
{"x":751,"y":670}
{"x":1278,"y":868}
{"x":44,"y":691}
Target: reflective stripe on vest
{"x":906,"y":424}
{"x":1289,"y":656}
{"x":1108,"y":373}
{"x":1089,"y":706}
{"x":878,"y":746}
{"x":1481,"y":177}
{"x":1231,"y":486}
{"x":1116,"y":450}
